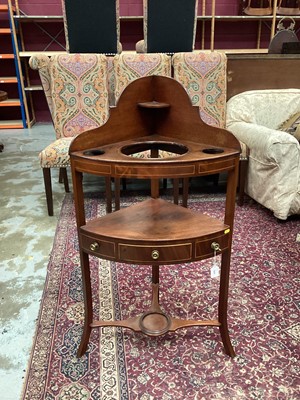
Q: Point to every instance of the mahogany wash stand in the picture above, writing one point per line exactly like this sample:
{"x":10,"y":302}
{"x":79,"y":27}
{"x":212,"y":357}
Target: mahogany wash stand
{"x":155,"y":114}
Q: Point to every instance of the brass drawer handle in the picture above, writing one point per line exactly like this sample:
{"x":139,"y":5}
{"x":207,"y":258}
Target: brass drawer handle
{"x":215,"y":246}
{"x":155,"y":254}
{"x":94,"y":246}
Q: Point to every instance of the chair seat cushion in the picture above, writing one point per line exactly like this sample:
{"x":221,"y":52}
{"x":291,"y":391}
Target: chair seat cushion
{"x":161,"y":154}
{"x":56,"y":155}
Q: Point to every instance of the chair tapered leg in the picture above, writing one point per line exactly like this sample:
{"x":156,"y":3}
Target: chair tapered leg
{"x":242,"y":179}
{"x":48,"y":190}
{"x":215,"y":178}
{"x":185,"y":191}
{"x":60,"y":176}
{"x":108,"y":194}
{"x":64,"y":176}
{"x":117,"y":193}
{"x":176,"y":190}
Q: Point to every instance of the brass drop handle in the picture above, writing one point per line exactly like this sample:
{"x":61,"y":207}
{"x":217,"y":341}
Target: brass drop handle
{"x":94,"y":246}
{"x":215,"y":246}
{"x":155,"y":254}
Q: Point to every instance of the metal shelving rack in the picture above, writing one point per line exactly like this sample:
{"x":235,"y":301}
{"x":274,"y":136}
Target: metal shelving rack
{"x":206,"y":23}
{"x":11,"y":81}
{"x":18,"y":19}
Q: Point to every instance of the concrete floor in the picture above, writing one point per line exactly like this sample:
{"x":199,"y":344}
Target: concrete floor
{"x":26,"y":241}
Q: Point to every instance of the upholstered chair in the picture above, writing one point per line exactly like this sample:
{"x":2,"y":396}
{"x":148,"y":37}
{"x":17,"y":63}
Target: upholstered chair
{"x":76,"y":90}
{"x":267,"y":121}
{"x":111,"y":81}
{"x":169,"y":26}
{"x":131,"y":66}
{"x":203,"y":74}
{"x":92,"y":26}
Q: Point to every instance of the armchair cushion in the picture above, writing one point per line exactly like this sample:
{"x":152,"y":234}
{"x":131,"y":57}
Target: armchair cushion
{"x":254,"y":117}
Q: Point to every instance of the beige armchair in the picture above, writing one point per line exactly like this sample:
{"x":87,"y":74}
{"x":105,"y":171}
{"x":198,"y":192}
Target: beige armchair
{"x":76,"y":90}
{"x":258,"y":118}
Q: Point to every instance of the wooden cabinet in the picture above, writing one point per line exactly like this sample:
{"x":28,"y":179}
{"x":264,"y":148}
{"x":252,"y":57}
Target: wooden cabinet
{"x":12,"y":109}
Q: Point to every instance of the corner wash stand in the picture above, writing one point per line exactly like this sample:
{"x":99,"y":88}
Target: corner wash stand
{"x":155,"y":114}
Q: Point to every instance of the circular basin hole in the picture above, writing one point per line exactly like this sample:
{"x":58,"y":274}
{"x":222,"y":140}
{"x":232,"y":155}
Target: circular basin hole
{"x":154,"y":149}
{"x":213,"y":150}
{"x":93,"y":152}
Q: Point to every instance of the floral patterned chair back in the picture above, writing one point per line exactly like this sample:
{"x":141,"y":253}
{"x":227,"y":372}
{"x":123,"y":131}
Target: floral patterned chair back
{"x":203,"y":75}
{"x":169,"y":26}
{"x":92,"y":26}
{"x":76,"y":89}
{"x":131,"y":66}
{"x":80,"y":93}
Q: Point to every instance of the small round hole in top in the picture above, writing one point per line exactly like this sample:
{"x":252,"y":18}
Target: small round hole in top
{"x":213,"y":150}
{"x":93,"y":152}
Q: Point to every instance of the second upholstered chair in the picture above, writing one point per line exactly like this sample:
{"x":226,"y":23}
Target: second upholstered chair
{"x":203,"y":74}
{"x":76,"y":90}
{"x":131,"y":66}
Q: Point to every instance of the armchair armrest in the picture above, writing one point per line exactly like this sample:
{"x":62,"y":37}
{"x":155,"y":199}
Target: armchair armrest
{"x":274,"y":167}
{"x":261,"y":140}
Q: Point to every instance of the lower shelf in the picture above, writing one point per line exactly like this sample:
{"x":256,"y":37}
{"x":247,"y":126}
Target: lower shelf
{"x":13,"y":124}
{"x":154,"y":231}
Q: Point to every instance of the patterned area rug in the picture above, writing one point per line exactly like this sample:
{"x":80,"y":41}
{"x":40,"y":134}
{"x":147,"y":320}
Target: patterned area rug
{"x":190,"y":363}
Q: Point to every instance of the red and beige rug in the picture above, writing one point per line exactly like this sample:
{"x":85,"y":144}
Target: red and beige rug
{"x":190,"y":363}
